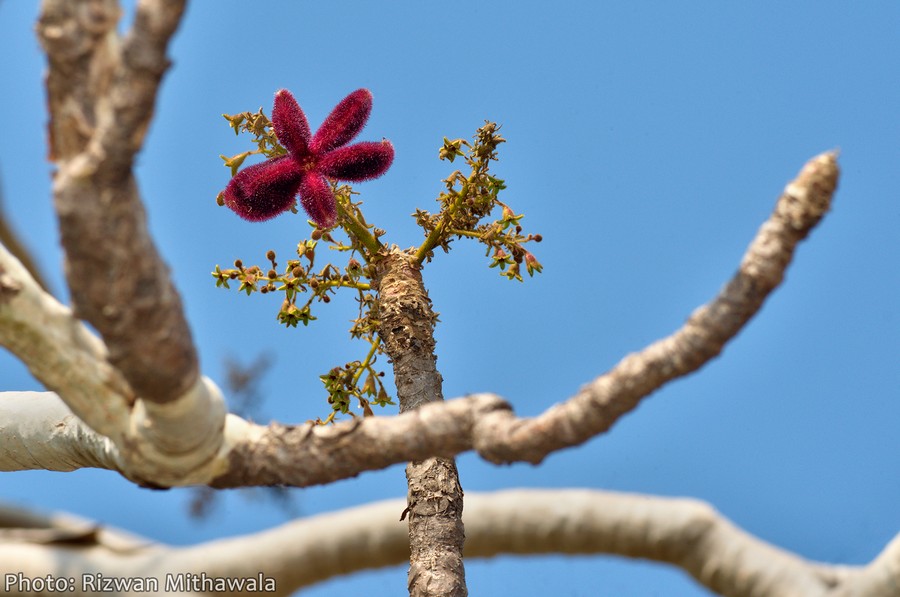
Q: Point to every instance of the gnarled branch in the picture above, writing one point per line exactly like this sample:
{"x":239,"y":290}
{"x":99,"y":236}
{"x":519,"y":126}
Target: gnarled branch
{"x":307,"y":455}
{"x":600,"y":403}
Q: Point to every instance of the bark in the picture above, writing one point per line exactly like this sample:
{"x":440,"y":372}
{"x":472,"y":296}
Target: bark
{"x":101,"y":91}
{"x":156,"y":420}
{"x":435,"y":496}
{"x":685,"y":533}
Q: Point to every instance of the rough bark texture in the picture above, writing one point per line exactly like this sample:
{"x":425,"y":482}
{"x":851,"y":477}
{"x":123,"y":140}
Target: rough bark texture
{"x":101,"y":92}
{"x":305,"y":455}
{"x":435,"y":497}
{"x":602,"y":402}
{"x":407,"y":329}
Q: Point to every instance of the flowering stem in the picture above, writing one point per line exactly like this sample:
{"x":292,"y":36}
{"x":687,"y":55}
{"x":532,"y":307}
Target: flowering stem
{"x":342,"y":284}
{"x":368,"y":360}
{"x":437,"y":234}
{"x":359,"y":231}
{"x":468,"y":233}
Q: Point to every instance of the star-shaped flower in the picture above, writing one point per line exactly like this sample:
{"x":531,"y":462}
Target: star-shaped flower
{"x":262,"y":191}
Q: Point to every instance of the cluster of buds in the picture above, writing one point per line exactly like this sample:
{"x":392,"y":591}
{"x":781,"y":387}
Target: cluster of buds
{"x":299,"y":278}
{"x":344,"y":387}
{"x":469,"y":199}
{"x":510,"y":263}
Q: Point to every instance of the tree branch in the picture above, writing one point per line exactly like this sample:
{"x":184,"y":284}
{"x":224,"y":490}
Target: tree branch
{"x":435,"y":496}
{"x":60,"y":351}
{"x":686,"y":533}
{"x":486,"y":423}
{"x":307,"y":455}
{"x":41,"y":433}
{"x":600,"y":404}
{"x":101,"y":93}
{"x":168,"y":443}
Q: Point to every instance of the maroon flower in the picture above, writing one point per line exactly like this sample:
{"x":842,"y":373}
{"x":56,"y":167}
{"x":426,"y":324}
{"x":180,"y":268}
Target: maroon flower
{"x":262,"y":191}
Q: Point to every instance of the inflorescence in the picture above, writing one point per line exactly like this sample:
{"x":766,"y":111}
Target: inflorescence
{"x":299,"y":163}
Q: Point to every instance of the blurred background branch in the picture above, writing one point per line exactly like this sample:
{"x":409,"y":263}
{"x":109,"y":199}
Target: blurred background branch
{"x":13,"y":242}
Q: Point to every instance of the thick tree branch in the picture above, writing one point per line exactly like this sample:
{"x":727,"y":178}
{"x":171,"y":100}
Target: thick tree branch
{"x":179,"y":443}
{"x":175,"y":443}
{"x":101,"y":93}
{"x":299,"y":456}
{"x":600,"y":404}
{"x":308,"y":455}
{"x":60,"y":351}
{"x":39,"y":432}
{"x":435,"y":496}
{"x":686,"y":533}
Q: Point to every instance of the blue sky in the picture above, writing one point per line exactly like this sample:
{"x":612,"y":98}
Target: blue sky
{"x":647,"y":142}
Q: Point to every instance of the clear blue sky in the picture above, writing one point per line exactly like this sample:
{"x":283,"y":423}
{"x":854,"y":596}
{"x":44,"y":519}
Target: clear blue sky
{"x":647,"y":143}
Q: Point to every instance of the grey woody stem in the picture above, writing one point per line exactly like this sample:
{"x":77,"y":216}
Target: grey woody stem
{"x":435,"y":497}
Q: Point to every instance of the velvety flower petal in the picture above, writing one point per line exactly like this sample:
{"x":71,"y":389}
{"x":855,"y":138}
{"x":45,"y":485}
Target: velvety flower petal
{"x":290,"y":124}
{"x":344,"y":122}
{"x":358,"y":162}
{"x":317,"y":200}
{"x":262,"y":191}
{"x":265,"y":190}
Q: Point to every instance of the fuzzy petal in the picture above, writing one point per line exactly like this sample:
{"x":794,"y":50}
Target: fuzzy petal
{"x":317,"y":200}
{"x":262,"y":191}
{"x":358,"y":162}
{"x":291,"y":126}
{"x":344,"y":123}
